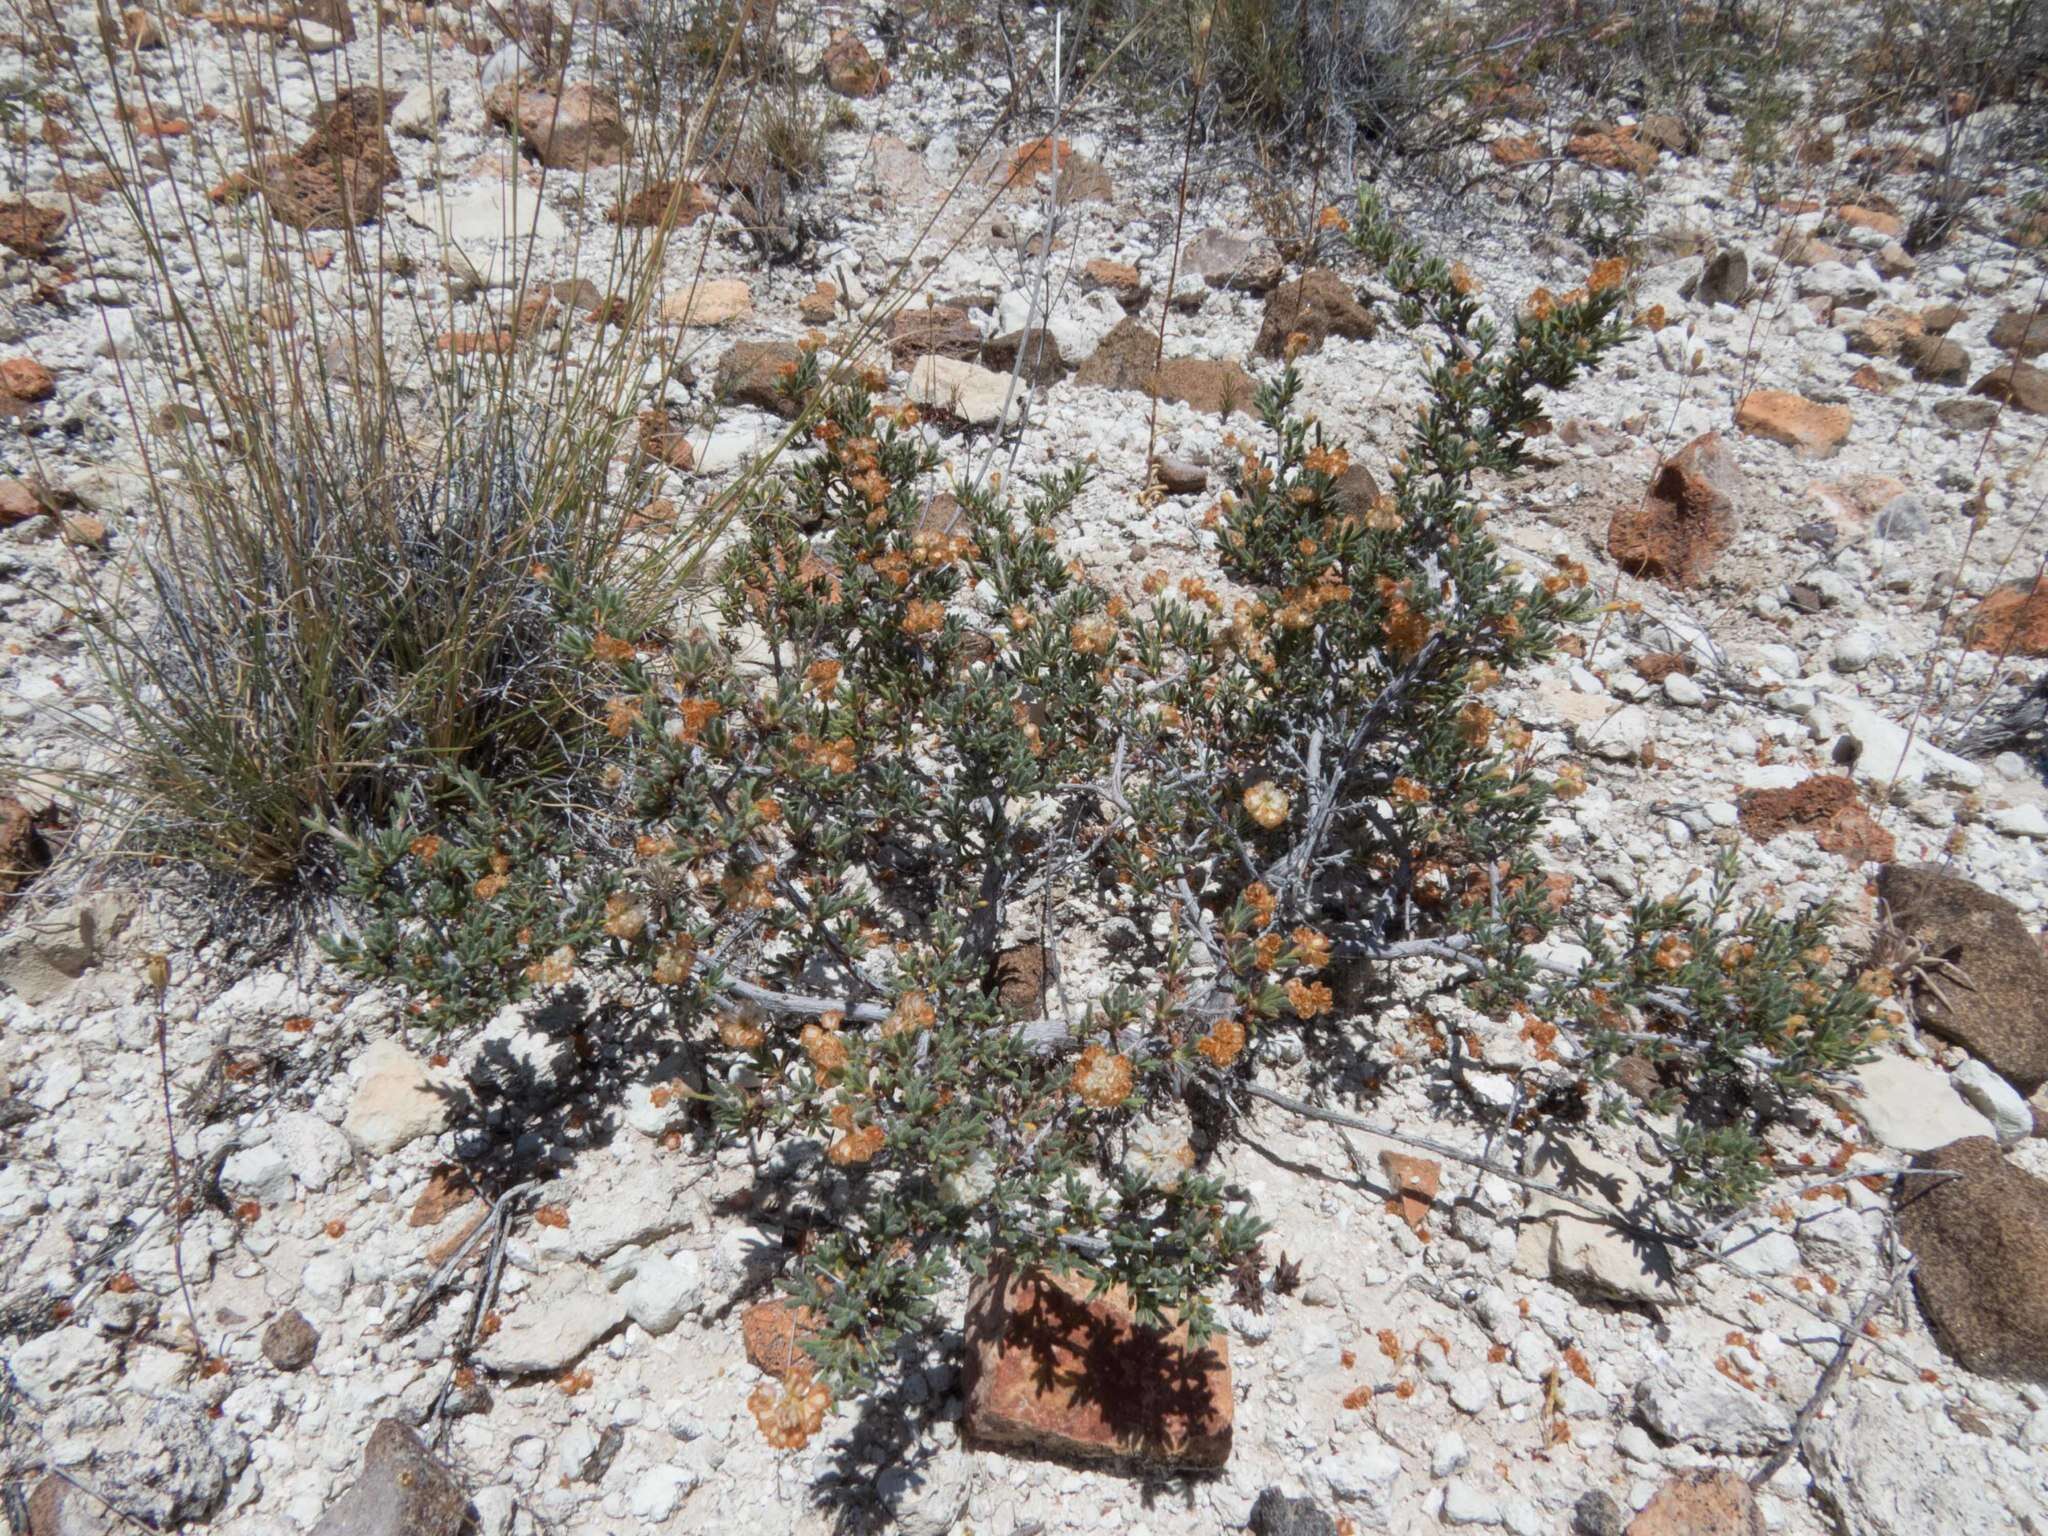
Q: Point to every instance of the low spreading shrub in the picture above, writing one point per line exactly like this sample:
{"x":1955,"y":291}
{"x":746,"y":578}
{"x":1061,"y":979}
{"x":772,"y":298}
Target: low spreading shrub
{"x":913,"y":742}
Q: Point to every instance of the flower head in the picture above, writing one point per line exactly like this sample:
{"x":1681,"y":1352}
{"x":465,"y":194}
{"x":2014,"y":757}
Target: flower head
{"x":556,"y":969}
{"x":1102,"y":1078}
{"x":1092,"y":636}
{"x":624,"y":918}
{"x":1312,"y":948}
{"x":1266,"y":803}
{"x":790,"y":1415}
{"x":739,"y":1028}
{"x":1223,"y":1044}
{"x":913,"y":1012}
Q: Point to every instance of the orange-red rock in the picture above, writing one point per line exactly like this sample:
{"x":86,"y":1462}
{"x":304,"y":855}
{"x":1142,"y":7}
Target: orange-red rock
{"x":578,"y":130}
{"x":2011,"y":621}
{"x":1315,"y":306}
{"x":1827,"y":805}
{"x":1081,"y":180}
{"x":28,"y":229}
{"x":1700,"y":1504}
{"x":1685,"y":520}
{"x":447,"y":1188}
{"x":850,"y":69}
{"x":1855,"y":216}
{"x":1050,"y":1370}
{"x":1811,"y":430}
{"x":19,"y":502}
{"x":773,"y":1333}
{"x":470,"y":343}
{"x":1613,"y":150}
{"x":665,"y":441}
{"x":1512,"y":149}
{"x":1123,"y":281}
{"x":24,"y":382}
{"x":653,"y":203}
{"x":1415,"y":1181}
{"x":937,"y":330}
{"x":336,"y":179}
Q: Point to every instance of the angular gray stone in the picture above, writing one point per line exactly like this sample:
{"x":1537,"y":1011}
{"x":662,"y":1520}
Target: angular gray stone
{"x":41,"y":956}
{"x":552,"y":1325}
{"x":1696,"y":1405}
{"x":1563,"y":1243}
{"x":1912,"y":1106}
{"x":403,"y":1491}
{"x":1885,"y":1467}
{"x":396,"y":1099}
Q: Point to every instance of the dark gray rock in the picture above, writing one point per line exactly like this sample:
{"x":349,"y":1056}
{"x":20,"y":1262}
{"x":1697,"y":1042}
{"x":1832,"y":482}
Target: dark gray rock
{"x":1275,"y":1514}
{"x":1997,"y":1007}
{"x":289,"y":1341}
{"x":403,"y":1491}
{"x":1725,"y":279}
{"x":1596,"y":1514}
{"x":1982,"y":1243}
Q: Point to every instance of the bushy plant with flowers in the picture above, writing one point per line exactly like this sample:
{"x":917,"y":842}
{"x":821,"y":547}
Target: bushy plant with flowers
{"x":914,"y":732}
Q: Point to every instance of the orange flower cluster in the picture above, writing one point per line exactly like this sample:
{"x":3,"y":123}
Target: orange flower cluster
{"x":739,"y":1029}
{"x":1092,"y":636}
{"x":1407,"y":630}
{"x":1267,"y":804}
{"x":825,"y":1049}
{"x":621,"y":714}
{"x":857,"y":1143}
{"x":913,"y":1012}
{"x":425,"y":847}
{"x":1611,"y":273}
{"x":1299,"y":609}
{"x":1103,"y":1079}
{"x":673,"y":961}
{"x":1384,"y":515}
{"x":1311,"y":949}
{"x":554,"y":969}
{"x":1034,"y":739}
{"x":1409,"y":791}
{"x":1308,"y":999}
{"x":500,"y":876}
{"x":611,"y":648}
{"x":1326,"y":461}
{"x":1475,"y":725}
{"x":833,"y":756}
{"x":932,"y":549}
{"x":923,"y":616}
{"x":691,"y":716}
{"x":1259,"y":897}
{"x":624,"y":918}
{"x":750,"y":889}
{"x":1672,"y":953}
{"x":790,"y":1415}
{"x":822,"y":678}
{"x":1223,"y":1044}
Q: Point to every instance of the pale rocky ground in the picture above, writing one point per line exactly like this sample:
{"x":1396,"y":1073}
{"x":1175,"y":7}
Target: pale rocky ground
{"x":643,"y":1286}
